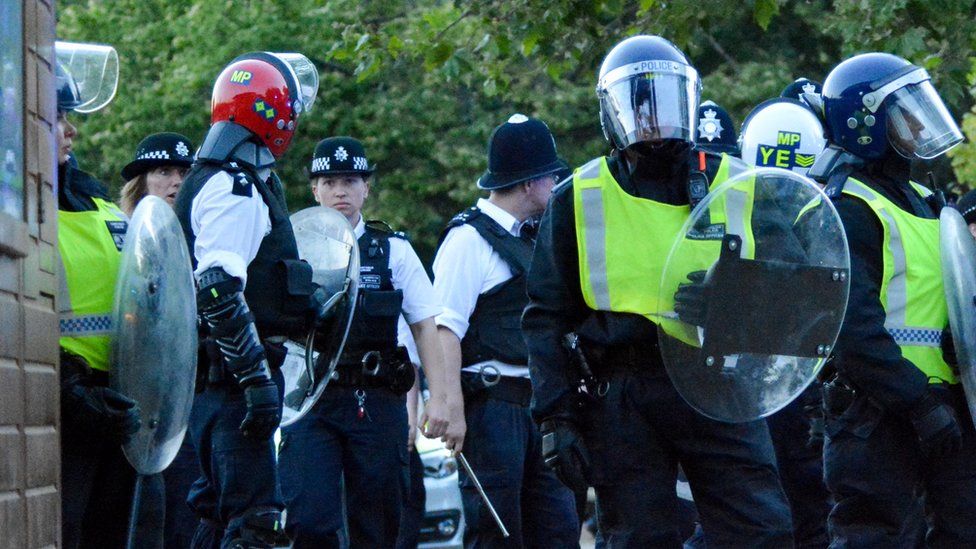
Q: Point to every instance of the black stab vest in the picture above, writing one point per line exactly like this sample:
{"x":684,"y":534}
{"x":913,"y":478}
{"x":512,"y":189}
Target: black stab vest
{"x":279,"y":284}
{"x":378,"y":305}
{"x":495,"y":327}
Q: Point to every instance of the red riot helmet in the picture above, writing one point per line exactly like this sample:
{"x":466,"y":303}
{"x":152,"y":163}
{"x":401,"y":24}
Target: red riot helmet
{"x":266,"y":93}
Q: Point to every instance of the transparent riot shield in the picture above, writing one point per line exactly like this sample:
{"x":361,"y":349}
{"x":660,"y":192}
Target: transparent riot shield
{"x":958,"y":251}
{"x":770,"y":260}
{"x":154,"y":352}
{"x":327,"y":242}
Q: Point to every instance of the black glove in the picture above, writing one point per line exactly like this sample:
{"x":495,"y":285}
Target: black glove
{"x":263,"y":410}
{"x":324,"y":305}
{"x":689,"y":301}
{"x":564,"y":452}
{"x":936,"y":425}
{"x":100,"y":411}
{"x":949,"y":350}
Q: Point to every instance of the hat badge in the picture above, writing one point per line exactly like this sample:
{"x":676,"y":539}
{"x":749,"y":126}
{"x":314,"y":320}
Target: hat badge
{"x":340,"y":154}
{"x":809,"y":88}
{"x":710,"y":127}
{"x":181,"y":149}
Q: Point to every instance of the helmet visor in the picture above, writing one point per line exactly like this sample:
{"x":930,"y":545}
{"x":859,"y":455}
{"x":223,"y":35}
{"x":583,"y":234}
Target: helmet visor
{"x":306,"y":75}
{"x":652,"y":106}
{"x":919,"y":124}
{"x":95,"y":70}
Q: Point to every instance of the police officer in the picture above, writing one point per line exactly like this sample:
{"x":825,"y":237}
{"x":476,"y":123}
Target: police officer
{"x":96,"y":480}
{"x":357,"y":432}
{"x":785,"y":133}
{"x":630,"y":436}
{"x":253,"y":291}
{"x":896,"y":420}
{"x":158,"y":168}
{"x":479,"y":274}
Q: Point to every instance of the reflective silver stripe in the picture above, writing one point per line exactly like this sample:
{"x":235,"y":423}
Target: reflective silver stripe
{"x":590,"y":170}
{"x":898,"y":285}
{"x":897,"y":293}
{"x":85,"y":325}
{"x":596,"y":251}
{"x":920,"y":337}
{"x":735,"y":206}
{"x":858,"y":189}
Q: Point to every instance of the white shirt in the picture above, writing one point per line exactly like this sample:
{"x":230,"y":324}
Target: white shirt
{"x":465,"y":267}
{"x":229,"y":228}
{"x":408,"y":274}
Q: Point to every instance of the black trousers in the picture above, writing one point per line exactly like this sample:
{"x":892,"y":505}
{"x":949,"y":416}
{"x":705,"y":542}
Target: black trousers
{"x":96,"y":492}
{"x":638,"y":434}
{"x":885,"y":487}
{"x":801,"y":472}
{"x":238,"y":474}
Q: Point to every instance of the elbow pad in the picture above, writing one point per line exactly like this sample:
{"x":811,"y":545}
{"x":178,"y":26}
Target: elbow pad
{"x":221,"y":306}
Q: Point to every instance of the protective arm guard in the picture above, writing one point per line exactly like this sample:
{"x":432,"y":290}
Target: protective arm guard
{"x":221,"y":304}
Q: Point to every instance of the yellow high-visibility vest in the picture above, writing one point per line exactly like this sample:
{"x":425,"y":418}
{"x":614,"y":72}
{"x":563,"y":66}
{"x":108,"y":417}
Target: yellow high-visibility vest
{"x":90,"y":246}
{"x":624,"y":241}
{"x":912,"y":291}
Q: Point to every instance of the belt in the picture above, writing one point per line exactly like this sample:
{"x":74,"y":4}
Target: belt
{"x":514,"y":390}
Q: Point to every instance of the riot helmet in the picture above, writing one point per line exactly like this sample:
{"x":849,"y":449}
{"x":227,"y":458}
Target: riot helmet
{"x":782,"y":133}
{"x":648,"y":93}
{"x":876,"y":100}
{"x":86,"y":76}
{"x":266,"y":93}
{"x":800,"y":86}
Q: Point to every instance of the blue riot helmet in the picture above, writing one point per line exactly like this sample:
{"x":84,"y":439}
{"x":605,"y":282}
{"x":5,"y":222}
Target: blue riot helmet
{"x":648,"y":93}
{"x":782,"y":133}
{"x":876,"y":100}
{"x":68,"y":95}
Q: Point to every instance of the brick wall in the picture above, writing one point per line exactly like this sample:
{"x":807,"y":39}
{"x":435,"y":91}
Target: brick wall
{"x":29,"y":446}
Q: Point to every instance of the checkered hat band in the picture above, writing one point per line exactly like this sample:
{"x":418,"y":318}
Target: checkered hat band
{"x":89,"y":325}
{"x":153,"y":155}
{"x":923,"y":337}
{"x":320,"y":164}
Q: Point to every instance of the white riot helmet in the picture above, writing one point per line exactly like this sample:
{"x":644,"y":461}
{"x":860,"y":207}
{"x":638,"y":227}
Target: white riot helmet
{"x":782,"y":133}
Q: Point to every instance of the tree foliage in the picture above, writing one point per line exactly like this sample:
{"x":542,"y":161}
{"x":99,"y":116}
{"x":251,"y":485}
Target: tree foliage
{"x":423,"y":82}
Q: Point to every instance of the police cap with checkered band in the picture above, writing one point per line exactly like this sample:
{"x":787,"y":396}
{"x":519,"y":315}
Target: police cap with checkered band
{"x":340,"y":156}
{"x":159,"y":149}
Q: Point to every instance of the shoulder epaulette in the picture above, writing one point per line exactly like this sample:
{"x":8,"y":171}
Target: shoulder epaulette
{"x":385,"y":228}
{"x":465,"y":216}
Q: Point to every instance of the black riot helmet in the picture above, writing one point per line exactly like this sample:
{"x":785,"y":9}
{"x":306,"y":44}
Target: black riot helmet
{"x":649,"y":92}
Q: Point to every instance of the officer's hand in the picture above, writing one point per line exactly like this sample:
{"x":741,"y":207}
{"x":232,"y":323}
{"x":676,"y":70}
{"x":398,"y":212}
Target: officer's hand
{"x":949,"y":350}
{"x":564,"y":452}
{"x":103,"y":410}
{"x":323,"y":306}
{"x":936,"y":425}
{"x":457,"y":427}
{"x":263,"y":410}
{"x":689,"y":301}
{"x":436,"y":417}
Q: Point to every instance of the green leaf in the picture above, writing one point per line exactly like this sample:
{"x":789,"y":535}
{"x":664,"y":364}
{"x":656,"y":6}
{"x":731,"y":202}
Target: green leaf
{"x":530,"y":42}
{"x":764,"y":12}
{"x":362,"y":42}
{"x":438,"y":55}
{"x":394,"y":46}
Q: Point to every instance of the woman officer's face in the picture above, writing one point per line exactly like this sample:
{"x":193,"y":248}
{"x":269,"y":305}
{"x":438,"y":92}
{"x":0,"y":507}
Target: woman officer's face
{"x":346,"y":193}
{"x":164,"y":182}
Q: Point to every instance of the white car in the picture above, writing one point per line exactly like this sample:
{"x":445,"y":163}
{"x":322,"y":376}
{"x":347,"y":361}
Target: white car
{"x":443,"y":524}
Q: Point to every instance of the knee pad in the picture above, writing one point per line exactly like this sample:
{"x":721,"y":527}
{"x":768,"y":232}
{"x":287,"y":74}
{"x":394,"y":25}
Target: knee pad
{"x":258,"y":528}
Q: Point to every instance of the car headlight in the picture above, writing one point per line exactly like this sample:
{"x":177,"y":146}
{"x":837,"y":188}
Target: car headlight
{"x":445,"y":468}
